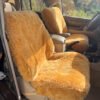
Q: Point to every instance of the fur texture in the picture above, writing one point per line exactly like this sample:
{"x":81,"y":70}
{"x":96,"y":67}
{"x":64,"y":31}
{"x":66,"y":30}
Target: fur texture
{"x":29,"y":43}
{"x":61,"y":76}
{"x":56,"y":24}
{"x":54,"y":20}
{"x":82,"y":39}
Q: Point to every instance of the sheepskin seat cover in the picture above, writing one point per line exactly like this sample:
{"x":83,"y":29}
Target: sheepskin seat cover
{"x":82,"y":44}
{"x":60,"y":76}
{"x":56,"y":24}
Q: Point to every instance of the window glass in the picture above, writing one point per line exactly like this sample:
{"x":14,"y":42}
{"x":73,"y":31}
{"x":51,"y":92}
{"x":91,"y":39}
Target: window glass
{"x":81,"y":8}
{"x":37,"y":5}
{"x":25,"y":5}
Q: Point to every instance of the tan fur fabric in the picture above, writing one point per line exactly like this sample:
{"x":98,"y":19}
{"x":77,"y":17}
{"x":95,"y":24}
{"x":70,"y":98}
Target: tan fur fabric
{"x":54,"y":20}
{"x":82,"y":39}
{"x":28,"y":42}
{"x":60,"y":76}
{"x":56,"y":24}
{"x":64,"y":77}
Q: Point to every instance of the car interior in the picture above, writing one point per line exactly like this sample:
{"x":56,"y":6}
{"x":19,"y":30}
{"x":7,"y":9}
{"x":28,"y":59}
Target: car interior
{"x":48,"y":56}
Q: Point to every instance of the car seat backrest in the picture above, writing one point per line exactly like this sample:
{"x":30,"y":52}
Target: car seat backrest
{"x":29,"y":41}
{"x":54,"y":20}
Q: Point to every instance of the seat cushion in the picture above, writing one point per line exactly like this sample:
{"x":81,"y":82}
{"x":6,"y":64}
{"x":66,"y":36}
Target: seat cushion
{"x":54,"y":20}
{"x":81,"y":38}
{"x":64,"y":77}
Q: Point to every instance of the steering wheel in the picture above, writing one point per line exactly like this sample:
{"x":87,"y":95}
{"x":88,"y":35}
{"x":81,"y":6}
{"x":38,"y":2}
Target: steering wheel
{"x":93,"y":24}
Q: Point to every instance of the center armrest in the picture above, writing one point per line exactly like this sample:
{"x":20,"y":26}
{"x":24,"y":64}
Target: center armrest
{"x":65,"y":34}
{"x":59,"y":42}
{"x":58,"y":38}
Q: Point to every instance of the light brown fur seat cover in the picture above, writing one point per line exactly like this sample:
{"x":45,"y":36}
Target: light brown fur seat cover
{"x":61,"y":76}
{"x":56,"y":24}
{"x":82,"y":39}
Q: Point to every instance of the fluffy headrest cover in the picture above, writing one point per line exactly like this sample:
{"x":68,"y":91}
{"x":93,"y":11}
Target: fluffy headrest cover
{"x":54,"y":20}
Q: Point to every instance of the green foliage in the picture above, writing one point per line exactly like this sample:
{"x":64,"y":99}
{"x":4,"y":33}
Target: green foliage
{"x":83,"y":8}
{"x":26,"y":4}
{"x":79,"y":13}
{"x":37,"y":5}
{"x":77,"y":8}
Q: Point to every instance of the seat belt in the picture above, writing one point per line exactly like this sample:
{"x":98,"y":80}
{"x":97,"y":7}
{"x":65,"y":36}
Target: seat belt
{"x":6,"y":49}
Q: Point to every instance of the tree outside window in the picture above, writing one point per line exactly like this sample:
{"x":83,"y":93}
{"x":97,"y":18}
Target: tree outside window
{"x":81,"y":8}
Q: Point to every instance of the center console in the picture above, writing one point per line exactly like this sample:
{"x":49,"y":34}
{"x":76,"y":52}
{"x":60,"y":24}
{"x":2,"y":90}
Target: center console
{"x":94,"y":59}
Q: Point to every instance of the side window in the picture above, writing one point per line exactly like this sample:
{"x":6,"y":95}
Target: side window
{"x":37,"y":5}
{"x":25,"y":5}
{"x":81,"y":8}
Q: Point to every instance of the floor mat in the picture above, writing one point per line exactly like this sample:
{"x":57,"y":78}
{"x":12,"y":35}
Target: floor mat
{"x":94,"y":94}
